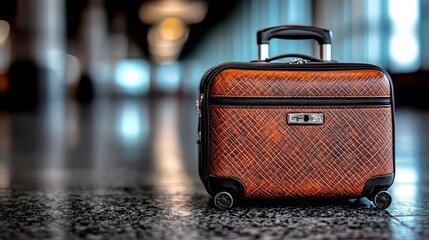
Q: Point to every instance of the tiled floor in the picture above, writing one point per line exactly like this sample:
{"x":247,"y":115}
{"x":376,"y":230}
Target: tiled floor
{"x":128,"y":169}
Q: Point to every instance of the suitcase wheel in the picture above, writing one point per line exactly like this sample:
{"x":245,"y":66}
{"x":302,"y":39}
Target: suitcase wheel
{"x":223,"y":200}
{"x":382,"y":199}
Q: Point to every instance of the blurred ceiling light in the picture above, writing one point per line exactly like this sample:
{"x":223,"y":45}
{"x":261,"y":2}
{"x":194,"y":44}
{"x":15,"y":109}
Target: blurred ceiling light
{"x":189,"y":11}
{"x":164,"y":56}
{"x":171,"y":51}
{"x":167,"y":48}
{"x":171,"y":28}
{"x":155,"y":39}
{"x":4,"y":31}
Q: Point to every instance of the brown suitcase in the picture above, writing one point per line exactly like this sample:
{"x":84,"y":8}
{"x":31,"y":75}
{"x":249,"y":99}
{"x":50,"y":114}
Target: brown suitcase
{"x":306,"y":128}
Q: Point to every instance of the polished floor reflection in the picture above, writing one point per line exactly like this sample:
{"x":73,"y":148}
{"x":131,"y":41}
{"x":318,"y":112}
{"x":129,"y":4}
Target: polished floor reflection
{"x":128,"y":169}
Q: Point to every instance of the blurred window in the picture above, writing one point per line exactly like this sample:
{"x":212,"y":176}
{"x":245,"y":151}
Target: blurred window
{"x":404,"y":42}
{"x":387,"y":33}
{"x":168,"y":77}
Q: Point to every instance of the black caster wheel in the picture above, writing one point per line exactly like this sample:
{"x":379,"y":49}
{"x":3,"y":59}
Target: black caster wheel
{"x":382,"y":200}
{"x":223,"y":200}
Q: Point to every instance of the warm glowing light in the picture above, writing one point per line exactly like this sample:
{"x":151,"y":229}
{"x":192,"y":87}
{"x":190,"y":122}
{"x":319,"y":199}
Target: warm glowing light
{"x":4,"y":31}
{"x":188,"y":11}
{"x":171,"y":28}
{"x":162,"y":49}
{"x":167,"y":52}
{"x":155,"y":39}
{"x":169,"y":31}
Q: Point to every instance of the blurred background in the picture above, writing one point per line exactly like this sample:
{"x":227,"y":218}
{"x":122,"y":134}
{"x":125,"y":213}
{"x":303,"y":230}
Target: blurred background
{"x":96,"y":49}
{"x":101,"y":93}
{"x":107,"y":88}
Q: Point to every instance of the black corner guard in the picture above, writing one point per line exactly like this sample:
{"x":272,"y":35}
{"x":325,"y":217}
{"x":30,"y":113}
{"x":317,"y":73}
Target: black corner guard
{"x":378,"y":182}
{"x":218,"y":184}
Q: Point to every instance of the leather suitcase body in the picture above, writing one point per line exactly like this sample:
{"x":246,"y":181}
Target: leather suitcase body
{"x":315,"y":128}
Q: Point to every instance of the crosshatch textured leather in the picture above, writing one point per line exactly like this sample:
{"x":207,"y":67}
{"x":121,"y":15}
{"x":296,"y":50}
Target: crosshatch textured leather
{"x":274,"y":159}
{"x":305,"y":84}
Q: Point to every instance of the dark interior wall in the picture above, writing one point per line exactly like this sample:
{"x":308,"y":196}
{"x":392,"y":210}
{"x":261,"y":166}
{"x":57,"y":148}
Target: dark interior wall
{"x":411,"y":89}
{"x":8,"y":10}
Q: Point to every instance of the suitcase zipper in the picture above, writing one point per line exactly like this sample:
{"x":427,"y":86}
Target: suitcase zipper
{"x":299,"y":101}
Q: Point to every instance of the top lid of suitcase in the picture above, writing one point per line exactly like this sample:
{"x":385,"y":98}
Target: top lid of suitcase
{"x":311,"y":78}
{"x":305,"y":83}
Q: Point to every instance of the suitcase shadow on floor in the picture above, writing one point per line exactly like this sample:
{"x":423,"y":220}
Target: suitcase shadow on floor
{"x":313,"y":203}
{"x":293,"y":219}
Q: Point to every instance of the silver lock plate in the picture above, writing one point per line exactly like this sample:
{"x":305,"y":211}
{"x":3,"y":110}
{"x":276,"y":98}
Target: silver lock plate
{"x":305,"y":118}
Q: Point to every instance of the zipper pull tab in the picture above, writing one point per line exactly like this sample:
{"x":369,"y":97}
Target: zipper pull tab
{"x":299,"y":61}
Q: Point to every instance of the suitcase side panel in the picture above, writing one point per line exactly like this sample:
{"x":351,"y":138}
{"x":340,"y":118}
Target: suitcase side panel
{"x":274,"y":159}
{"x":308,"y":84}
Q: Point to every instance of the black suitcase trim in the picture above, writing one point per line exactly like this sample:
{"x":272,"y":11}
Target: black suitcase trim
{"x":232,"y":185}
{"x":377,"y":183}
